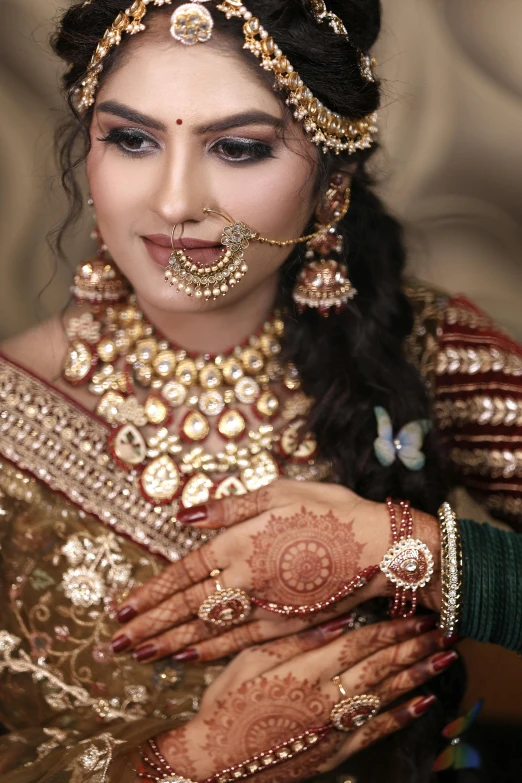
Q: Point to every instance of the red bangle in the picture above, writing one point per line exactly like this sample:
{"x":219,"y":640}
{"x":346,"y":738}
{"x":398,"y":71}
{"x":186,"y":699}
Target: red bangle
{"x":408,"y":563}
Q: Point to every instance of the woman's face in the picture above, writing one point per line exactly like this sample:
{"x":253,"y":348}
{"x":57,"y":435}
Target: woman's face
{"x":177,"y":129}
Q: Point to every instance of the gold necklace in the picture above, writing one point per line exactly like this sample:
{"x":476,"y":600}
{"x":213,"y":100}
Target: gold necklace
{"x":231,"y":393}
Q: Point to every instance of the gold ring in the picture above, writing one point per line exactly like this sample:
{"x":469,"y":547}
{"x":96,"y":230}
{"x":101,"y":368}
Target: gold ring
{"x":352,"y":713}
{"x":227,"y":606}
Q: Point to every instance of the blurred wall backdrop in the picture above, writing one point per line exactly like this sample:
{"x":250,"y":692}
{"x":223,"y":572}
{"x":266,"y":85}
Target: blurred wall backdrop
{"x":450,"y":168}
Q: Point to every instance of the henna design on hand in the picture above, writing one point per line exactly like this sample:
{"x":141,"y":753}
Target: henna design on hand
{"x":262,"y":713}
{"x":174,"y":746}
{"x":303,"y":558}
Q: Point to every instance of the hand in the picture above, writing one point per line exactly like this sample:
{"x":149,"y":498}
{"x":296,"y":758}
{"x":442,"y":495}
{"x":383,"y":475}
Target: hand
{"x":272,"y":693}
{"x":291,"y":543}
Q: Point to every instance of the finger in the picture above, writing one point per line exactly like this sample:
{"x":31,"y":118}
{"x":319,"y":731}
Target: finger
{"x":382,"y":725}
{"x":371,"y":671}
{"x":175,"y":577}
{"x":297,"y":635}
{"x":407,"y":680}
{"x":175,"y":610}
{"x":363,"y":642}
{"x":233,"y":509}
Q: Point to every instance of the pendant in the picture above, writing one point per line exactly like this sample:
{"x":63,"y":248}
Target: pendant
{"x":211,"y":403}
{"x":263,"y":469}
{"x":232,"y":370}
{"x":160,"y":481}
{"x":210,"y":377}
{"x":292,"y":446}
{"x":156,"y":410}
{"x":247,"y":390}
{"x":186,"y":372}
{"x":175,"y":393}
{"x":107,"y":350}
{"x":127,"y":446}
{"x":231,"y":424}
{"x":195,"y":426}
{"x":230,"y":486}
{"x":267,"y":404}
{"x":165,"y":363}
{"x":110,"y":406}
{"x":197,"y":490}
{"x":146,"y":350}
{"x":79,"y":364}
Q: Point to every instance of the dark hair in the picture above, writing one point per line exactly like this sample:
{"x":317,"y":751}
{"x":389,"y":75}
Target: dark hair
{"x":349,"y":362}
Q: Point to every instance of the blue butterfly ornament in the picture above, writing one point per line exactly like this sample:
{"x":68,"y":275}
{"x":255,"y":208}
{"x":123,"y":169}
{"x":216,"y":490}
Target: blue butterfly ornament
{"x":406,"y":445}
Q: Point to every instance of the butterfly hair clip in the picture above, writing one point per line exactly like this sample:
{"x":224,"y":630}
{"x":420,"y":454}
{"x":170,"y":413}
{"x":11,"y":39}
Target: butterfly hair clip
{"x":459,"y":755}
{"x":406,"y":445}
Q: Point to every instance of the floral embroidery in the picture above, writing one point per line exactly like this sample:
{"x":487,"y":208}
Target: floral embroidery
{"x":95,"y":759}
{"x":99,"y":569}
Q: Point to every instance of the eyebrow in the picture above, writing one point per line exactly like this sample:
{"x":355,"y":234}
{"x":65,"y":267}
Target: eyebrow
{"x":242,"y":119}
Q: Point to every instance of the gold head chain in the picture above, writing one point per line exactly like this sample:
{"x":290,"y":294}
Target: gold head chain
{"x":191,"y":23}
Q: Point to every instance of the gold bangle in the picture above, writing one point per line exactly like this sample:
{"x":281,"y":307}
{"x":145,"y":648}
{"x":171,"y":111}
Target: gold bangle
{"x":451,"y":570}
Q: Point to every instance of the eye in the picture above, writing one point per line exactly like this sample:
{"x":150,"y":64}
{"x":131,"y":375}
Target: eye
{"x":242,"y":150}
{"x":130,"y":141}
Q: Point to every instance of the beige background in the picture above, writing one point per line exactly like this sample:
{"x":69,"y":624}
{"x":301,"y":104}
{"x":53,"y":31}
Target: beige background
{"x":451,"y":169}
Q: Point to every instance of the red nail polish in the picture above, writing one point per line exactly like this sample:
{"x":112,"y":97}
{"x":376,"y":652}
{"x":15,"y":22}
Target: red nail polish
{"x":126,"y":614}
{"x":427,"y":624}
{"x":338,"y":623}
{"x":423,"y":705}
{"x":186,"y":655}
{"x":121,"y":643}
{"x":142,"y":654}
{"x":443,"y":660}
{"x":187,"y":516}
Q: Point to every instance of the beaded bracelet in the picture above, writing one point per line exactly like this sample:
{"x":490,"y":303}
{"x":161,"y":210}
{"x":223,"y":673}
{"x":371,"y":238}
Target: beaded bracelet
{"x":408,"y":564}
{"x":451,"y":570}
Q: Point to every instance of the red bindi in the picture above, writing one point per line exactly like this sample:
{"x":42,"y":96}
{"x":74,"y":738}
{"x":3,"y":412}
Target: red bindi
{"x":179,"y":122}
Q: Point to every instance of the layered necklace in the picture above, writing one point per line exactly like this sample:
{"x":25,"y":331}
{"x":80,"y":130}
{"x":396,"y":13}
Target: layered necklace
{"x":163,"y":403}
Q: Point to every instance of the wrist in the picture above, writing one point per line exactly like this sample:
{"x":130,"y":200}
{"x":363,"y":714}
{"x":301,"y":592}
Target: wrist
{"x":427,"y":529}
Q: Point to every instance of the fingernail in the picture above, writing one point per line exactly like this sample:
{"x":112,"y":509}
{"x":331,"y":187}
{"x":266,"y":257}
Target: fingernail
{"x":188,"y":516}
{"x":186,"y":655}
{"x":427,"y":624}
{"x":126,"y":614}
{"x":443,"y":660}
{"x":423,"y":705}
{"x":144,"y":653}
{"x":449,"y":641}
{"x":121,"y":643}
{"x":338,"y":623}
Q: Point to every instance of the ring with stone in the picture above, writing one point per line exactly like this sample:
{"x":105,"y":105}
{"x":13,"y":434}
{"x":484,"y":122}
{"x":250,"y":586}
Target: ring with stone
{"x":352,"y":713}
{"x":227,"y":606}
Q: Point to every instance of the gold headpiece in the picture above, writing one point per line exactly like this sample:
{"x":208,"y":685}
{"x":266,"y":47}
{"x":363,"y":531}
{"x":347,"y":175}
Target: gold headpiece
{"x":191,"y":23}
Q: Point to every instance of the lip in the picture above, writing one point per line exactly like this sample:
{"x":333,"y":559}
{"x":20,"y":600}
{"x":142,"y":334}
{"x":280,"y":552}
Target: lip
{"x":202,"y":252}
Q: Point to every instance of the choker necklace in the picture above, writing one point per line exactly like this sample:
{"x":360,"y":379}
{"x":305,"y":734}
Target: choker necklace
{"x":246,"y":395}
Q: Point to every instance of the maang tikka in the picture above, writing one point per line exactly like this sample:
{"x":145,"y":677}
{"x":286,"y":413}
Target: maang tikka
{"x":323,"y":282}
{"x":98,"y":280}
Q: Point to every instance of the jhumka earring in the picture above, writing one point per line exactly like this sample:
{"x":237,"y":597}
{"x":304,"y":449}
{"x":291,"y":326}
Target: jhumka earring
{"x":323,"y":283}
{"x":216,"y":280}
{"x":97,"y":280}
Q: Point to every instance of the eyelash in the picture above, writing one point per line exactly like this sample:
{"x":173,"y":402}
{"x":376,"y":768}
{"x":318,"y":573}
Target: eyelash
{"x":256,"y":150}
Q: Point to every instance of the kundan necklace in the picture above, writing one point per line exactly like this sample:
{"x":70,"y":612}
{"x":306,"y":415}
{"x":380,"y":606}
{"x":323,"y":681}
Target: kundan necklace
{"x":247,"y":395}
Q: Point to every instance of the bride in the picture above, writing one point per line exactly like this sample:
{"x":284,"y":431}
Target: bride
{"x":200,"y":550}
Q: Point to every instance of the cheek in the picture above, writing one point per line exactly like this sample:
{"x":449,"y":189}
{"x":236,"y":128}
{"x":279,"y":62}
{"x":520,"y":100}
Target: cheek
{"x":117,"y":195}
{"x":275,"y":199}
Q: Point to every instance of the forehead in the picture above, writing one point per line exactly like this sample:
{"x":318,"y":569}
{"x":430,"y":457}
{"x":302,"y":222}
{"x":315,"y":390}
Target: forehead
{"x":163,"y":76}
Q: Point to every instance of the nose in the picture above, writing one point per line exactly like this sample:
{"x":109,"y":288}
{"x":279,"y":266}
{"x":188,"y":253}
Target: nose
{"x":179,"y":193}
